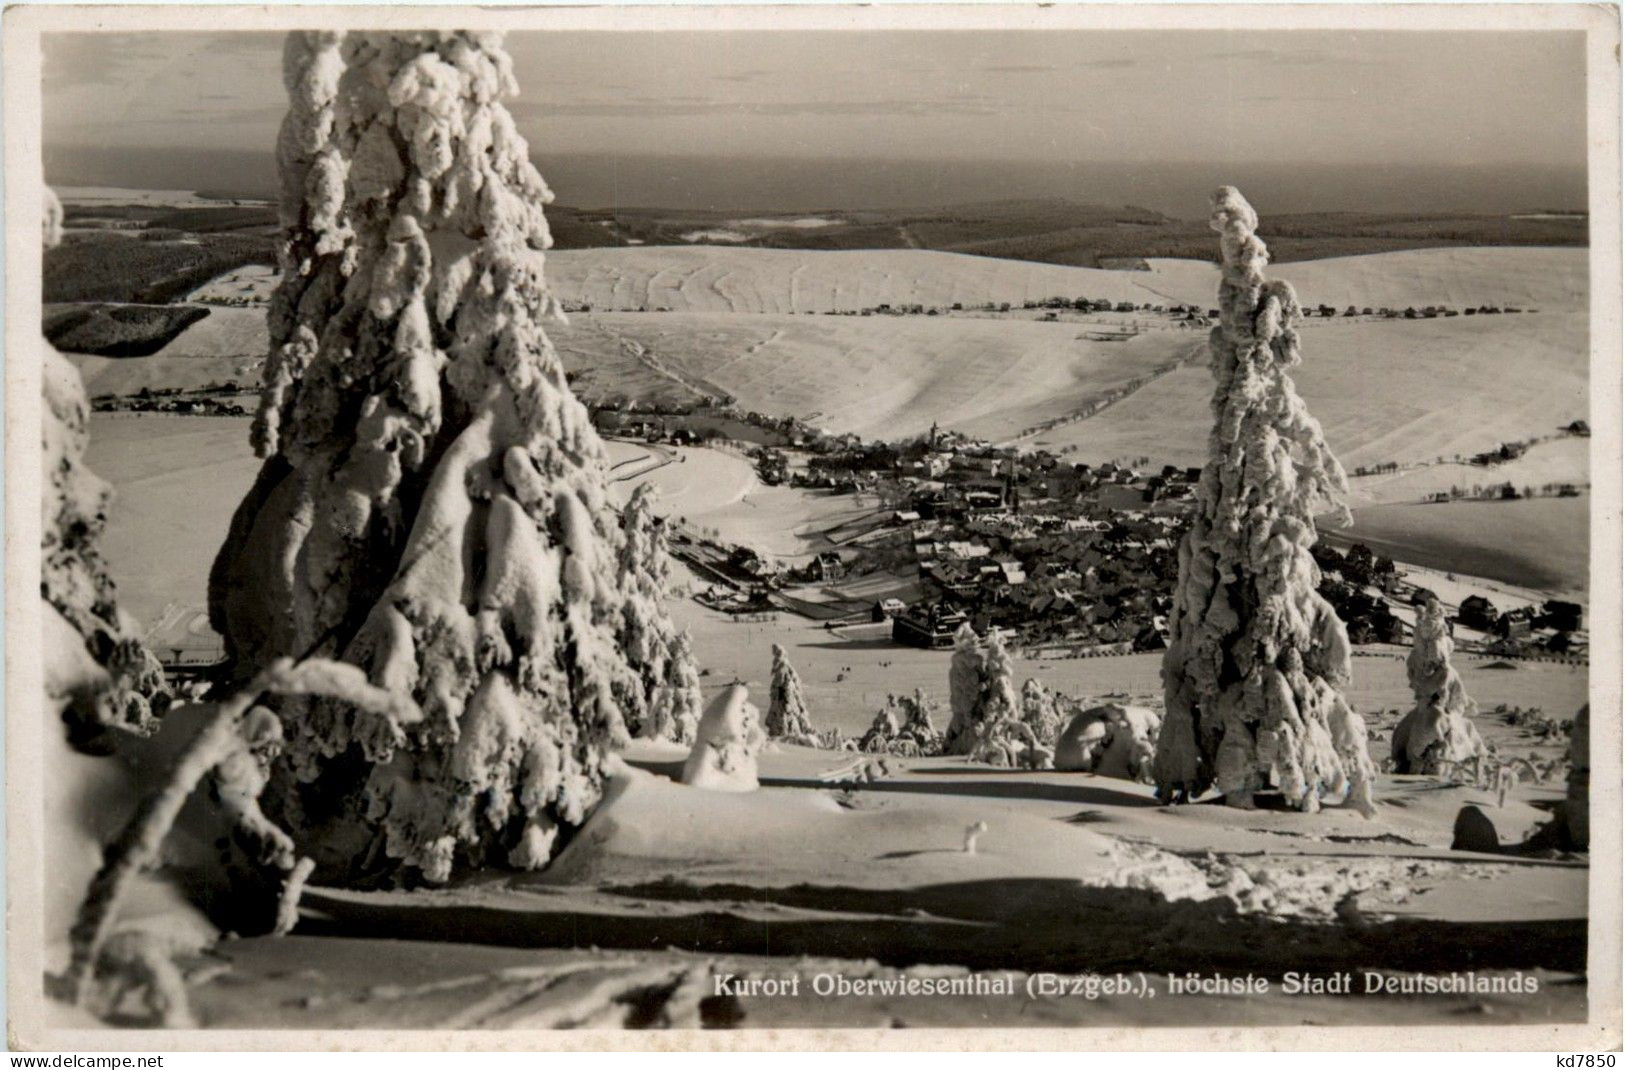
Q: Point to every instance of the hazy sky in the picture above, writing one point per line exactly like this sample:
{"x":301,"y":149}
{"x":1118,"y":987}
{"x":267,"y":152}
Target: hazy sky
{"x":1120,"y":96}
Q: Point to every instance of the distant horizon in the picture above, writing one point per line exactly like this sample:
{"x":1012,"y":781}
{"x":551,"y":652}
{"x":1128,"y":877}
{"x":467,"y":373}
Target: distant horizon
{"x":1177,"y":189}
{"x":1303,"y":120}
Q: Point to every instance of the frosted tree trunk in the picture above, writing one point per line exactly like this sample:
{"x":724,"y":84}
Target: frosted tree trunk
{"x":1438,"y":729}
{"x":787,"y":708}
{"x":432,"y":507}
{"x":1256,"y":659}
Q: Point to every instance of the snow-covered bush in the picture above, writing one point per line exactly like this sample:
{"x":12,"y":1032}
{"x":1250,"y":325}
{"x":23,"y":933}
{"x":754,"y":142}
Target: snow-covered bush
{"x":1039,"y":711}
{"x":902,"y":727}
{"x":882,"y":730}
{"x":917,"y":732}
{"x":1256,"y":658}
{"x":1111,"y":740}
{"x":727,"y":742}
{"x":1439,"y":728}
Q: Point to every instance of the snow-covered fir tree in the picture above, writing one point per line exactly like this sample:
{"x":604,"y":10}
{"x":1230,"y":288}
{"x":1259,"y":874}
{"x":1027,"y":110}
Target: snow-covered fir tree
{"x":677,"y":704}
{"x":97,"y":670}
{"x":998,"y":701}
{"x":964,"y":691}
{"x":787,"y":707}
{"x":664,"y":660}
{"x":986,"y":724}
{"x":432,"y":506}
{"x":1256,"y":658}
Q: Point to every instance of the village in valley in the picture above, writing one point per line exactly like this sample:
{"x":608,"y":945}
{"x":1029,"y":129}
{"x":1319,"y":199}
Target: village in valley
{"x":1067,"y":558}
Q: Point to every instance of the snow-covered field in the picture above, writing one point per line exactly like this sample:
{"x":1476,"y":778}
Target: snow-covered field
{"x":1396,"y":391}
{"x":224,"y":332}
{"x":1541,"y":542}
{"x":711,"y":279}
{"x":800,"y":881}
{"x":702,"y":279}
{"x":177,"y":480}
{"x":1548,"y":279}
{"x":152,"y":198}
{"x":251,"y":282}
{"x":708,"y":489}
{"x":1385,"y":391}
{"x":1561,"y":460}
{"x":124,"y":376}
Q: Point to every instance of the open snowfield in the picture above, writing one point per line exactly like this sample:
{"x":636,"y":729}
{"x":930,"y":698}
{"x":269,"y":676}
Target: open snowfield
{"x":709,"y":279}
{"x":1566,"y":459}
{"x":152,"y":198}
{"x":227,"y":345}
{"x":1542,"y":542}
{"x":885,"y":377}
{"x":804,"y":882}
{"x":713,"y":279}
{"x":803,"y":879}
{"x":224,"y":332}
{"x":711,"y":489}
{"x":1393,"y":391}
{"x":1386,"y":391}
{"x":128,"y":375}
{"x":1548,"y":279}
{"x":177,"y":480}
{"x":251,"y":281}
